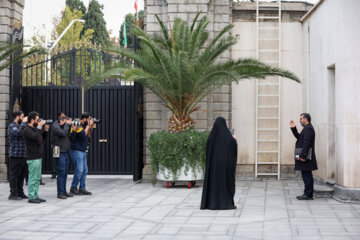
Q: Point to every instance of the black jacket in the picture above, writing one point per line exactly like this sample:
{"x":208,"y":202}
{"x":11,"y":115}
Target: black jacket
{"x":305,"y":140}
{"x":61,"y":136}
{"x":34,"y":138}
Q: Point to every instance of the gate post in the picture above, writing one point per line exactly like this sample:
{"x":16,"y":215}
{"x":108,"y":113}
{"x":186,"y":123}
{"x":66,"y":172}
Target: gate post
{"x":10,"y":19}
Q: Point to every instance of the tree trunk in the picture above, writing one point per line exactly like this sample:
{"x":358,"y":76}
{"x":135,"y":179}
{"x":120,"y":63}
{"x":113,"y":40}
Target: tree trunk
{"x":179,"y":124}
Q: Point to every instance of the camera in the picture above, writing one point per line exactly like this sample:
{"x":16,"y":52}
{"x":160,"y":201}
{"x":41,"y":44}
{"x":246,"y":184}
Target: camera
{"x":76,"y":123}
{"x":47,"y":122}
{"x":96,"y":121}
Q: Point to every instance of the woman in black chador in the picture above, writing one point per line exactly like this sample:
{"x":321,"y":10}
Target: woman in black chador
{"x":221,"y":157}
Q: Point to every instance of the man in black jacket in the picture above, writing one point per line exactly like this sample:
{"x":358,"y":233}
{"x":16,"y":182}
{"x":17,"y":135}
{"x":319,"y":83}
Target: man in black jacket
{"x":305,"y":162}
{"x":34,"y":134}
{"x":62,"y":143}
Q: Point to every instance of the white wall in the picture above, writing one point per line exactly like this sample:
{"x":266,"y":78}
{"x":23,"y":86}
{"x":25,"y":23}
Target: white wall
{"x":244,"y":93}
{"x":334,"y":39}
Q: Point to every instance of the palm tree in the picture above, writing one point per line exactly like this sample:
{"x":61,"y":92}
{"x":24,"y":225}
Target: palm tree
{"x":180,"y":66}
{"x":7,"y":49}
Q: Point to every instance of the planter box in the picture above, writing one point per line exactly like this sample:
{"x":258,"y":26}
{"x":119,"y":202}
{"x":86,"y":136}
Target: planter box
{"x":190,"y":177}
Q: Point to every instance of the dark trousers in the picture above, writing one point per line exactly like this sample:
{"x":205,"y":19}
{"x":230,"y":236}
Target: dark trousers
{"x":308,"y":182}
{"x":18,"y":171}
{"x":62,"y":165}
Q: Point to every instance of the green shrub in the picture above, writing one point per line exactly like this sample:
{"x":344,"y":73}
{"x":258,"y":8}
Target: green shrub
{"x":172,"y":151}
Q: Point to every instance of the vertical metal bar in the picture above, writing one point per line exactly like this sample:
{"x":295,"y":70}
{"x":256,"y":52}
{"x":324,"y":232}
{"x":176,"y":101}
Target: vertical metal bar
{"x":279,"y":86}
{"x":257,"y":91}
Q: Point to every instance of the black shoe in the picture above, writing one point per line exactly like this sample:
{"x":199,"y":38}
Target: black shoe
{"x":23,"y":196}
{"x":84,"y":191}
{"x":34,"y":201}
{"x":42,"y":183}
{"x":74,"y":191}
{"x":68,"y":194}
{"x":17,"y":198}
{"x":40,"y":199}
{"x":304,"y":197}
{"x":61,"y":196}
{"x":53,"y":176}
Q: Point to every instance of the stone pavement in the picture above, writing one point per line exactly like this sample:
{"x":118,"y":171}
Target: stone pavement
{"x":121,"y":209}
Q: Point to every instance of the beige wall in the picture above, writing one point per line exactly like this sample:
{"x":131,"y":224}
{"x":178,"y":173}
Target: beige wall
{"x":331,"y":36}
{"x":244,"y":93}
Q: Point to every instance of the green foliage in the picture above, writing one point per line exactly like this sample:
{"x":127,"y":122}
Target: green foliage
{"x":73,"y":35}
{"x":94,"y":19}
{"x":182,"y":65}
{"x":173,"y":151}
{"x":129,"y":19}
{"x":7,"y":49}
{"x":76,"y":4}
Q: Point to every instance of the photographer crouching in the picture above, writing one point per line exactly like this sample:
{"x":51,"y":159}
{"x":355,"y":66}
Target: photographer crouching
{"x":61,"y":149}
{"x":80,"y":134}
{"x":34,"y":135}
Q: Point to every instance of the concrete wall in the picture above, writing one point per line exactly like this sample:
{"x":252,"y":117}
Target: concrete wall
{"x":10,"y":16}
{"x":331,"y":36}
{"x":244,"y":93}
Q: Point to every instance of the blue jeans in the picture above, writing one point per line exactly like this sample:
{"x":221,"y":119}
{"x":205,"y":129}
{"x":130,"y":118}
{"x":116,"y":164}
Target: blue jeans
{"x":81,"y":169}
{"x":62,"y":165}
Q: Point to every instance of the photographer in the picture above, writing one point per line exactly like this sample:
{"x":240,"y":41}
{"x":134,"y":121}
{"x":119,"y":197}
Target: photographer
{"x":54,"y":168}
{"x":17,"y":163}
{"x":80,"y":139}
{"x":61,"y":149}
{"x":34,"y":134}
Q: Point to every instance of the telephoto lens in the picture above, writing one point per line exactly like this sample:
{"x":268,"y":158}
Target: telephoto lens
{"x":47,"y":122}
{"x":76,"y":123}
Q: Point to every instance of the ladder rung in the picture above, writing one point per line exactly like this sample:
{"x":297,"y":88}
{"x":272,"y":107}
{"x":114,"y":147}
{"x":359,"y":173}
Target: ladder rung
{"x":271,"y":61}
{"x":268,"y":106}
{"x":267,"y":151}
{"x":270,"y":163}
{"x":268,"y":129}
{"x":268,"y":84}
{"x":264,"y":118}
{"x":267,"y":50}
{"x":267,"y":28}
{"x":268,"y":17}
{"x":268,"y":174}
{"x":268,"y":140}
{"x":269,"y":39}
{"x":267,"y":95}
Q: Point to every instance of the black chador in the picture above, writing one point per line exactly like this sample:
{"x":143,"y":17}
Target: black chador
{"x":221,"y":157}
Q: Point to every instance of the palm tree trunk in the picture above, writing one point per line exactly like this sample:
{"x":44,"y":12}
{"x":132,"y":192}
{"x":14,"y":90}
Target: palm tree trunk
{"x":179,"y":124}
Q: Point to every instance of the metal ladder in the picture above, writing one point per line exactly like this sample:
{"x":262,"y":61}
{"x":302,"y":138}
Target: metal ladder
{"x":268,"y":91}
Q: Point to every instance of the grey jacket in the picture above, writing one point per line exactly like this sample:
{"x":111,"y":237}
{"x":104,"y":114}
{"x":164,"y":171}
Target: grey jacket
{"x":61,"y":136}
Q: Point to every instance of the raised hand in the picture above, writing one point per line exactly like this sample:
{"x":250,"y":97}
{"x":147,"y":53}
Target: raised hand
{"x":292,"y":124}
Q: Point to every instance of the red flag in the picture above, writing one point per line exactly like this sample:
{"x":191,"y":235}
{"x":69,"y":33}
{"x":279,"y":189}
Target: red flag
{"x":135,"y":6}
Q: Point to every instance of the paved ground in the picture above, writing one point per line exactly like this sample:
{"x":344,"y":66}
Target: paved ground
{"x":123,"y":210}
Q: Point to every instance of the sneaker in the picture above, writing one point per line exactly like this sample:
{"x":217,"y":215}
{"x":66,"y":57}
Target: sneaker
{"x":53,"y":176}
{"x":34,"y":200}
{"x":23,"y":196}
{"x":74,"y":191}
{"x":68,"y":194}
{"x":61,"y":196}
{"x":40,"y":199}
{"x":17,"y":198}
{"x":84,"y":191}
{"x":41,"y":182}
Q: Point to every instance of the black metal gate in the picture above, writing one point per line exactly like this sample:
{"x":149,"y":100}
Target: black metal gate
{"x":116,"y":146}
{"x":112,"y":149}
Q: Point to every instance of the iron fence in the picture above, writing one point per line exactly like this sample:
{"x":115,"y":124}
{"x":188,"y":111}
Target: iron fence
{"x":69,"y":68}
